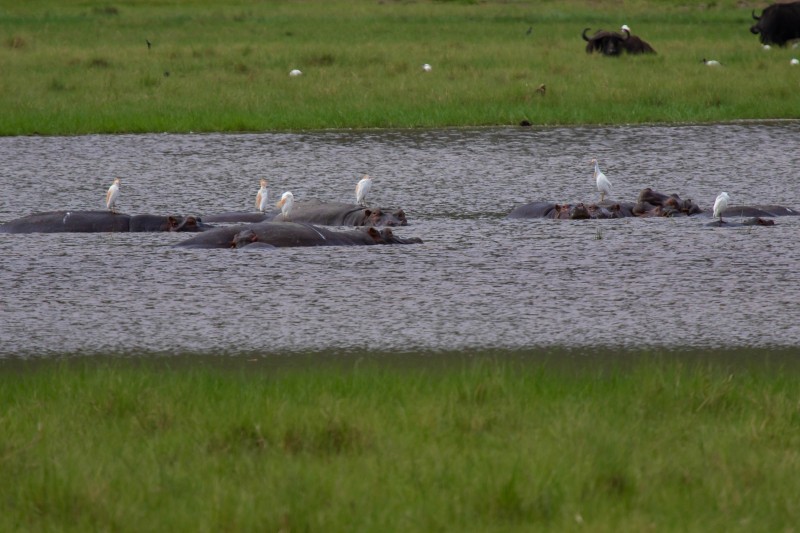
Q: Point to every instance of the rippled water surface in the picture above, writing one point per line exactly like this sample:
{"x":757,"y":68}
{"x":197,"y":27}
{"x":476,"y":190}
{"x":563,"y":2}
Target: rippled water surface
{"x":477,"y":281}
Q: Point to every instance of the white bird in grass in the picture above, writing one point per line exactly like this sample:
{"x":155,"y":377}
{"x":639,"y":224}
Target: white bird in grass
{"x":112,"y":195}
{"x":362,"y":189}
{"x":603,"y":185}
{"x":262,"y":197}
{"x":295,"y":72}
{"x":711,"y":62}
{"x":720,"y":204}
{"x":794,"y":62}
{"x":285,"y":204}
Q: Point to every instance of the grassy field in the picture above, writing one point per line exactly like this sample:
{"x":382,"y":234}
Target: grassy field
{"x":74,"y":67}
{"x":481,"y":442}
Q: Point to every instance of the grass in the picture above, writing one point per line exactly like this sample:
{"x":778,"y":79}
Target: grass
{"x":481,"y":442}
{"x":84,"y":67}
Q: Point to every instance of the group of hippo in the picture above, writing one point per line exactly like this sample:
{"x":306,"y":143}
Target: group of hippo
{"x":650,"y":203}
{"x":305,"y":226}
{"x":236,"y":229}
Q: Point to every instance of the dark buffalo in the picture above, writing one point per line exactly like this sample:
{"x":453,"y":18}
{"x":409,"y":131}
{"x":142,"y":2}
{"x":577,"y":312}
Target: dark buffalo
{"x":291,"y":234}
{"x":778,"y":23}
{"x":98,"y":222}
{"x":633,"y":44}
{"x":608,"y":43}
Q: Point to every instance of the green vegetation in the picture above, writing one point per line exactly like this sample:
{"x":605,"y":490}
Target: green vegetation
{"x":79,"y":67}
{"x":487,"y":442}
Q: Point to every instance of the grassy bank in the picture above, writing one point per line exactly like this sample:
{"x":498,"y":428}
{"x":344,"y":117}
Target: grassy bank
{"x":460,"y":444}
{"x":80,"y":67}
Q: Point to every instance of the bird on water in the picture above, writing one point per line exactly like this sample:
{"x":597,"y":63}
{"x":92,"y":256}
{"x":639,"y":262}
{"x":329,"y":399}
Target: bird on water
{"x":603,"y":184}
{"x":285,"y":204}
{"x":112,"y":195}
{"x":720,"y":204}
{"x":362,"y":189}
{"x":262,"y":197}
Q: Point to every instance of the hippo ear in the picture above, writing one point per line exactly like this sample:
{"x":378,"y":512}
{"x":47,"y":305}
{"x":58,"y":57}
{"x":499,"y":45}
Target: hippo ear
{"x":375,"y":234}
{"x":173,"y":222}
{"x":367,"y":212}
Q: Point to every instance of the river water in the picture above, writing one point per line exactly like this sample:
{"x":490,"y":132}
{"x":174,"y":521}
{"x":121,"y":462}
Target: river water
{"x":478,"y":281}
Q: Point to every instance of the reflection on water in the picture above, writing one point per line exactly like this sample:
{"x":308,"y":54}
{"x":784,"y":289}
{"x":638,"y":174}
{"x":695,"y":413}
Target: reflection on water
{"x":478,"y":280}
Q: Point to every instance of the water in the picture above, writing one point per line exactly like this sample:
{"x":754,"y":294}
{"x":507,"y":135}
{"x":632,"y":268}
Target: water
{"x":478,"y":281}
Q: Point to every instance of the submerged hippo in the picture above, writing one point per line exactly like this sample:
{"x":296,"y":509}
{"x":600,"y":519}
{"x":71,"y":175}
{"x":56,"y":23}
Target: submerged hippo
{"x":290,"y":234}
{"x":755,"y":221}
{"x":649,"y":203}
{"x":99,"y":221}
{"x":323,"y":213}
{"x":578,"y":211}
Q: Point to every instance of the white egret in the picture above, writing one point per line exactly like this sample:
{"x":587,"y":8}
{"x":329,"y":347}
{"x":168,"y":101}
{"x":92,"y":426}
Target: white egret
{"x":426,"y":67}
{"x":711,"y":62}
{"x":295,"y":72}
{"x":720,"y":204}
{"x":794,"y":62}
{"x":362,"y":189}
{"x":603,"y":184}
{"x":112,"y":195}
{"x":262,"y":197}
{"x":285,"y":204}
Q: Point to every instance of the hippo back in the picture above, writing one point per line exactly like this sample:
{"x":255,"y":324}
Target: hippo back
{"x":69,"y":222}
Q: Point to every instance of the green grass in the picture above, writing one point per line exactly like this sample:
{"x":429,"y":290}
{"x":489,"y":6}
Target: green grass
{"x":80,"y":67}
{"x":487,"y":442}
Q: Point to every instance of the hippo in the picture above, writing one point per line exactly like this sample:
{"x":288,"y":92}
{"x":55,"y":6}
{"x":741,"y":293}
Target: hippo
{"x":323,"y":213}
{"x":578,"y":211}
{"x":291,"y":234}
{"x":754,"y":221}
{"x":759,"y":211}
{"x":649,"y":203}
{"x":236,"y":217}
{"x":100,"y":221}
{"x":652,"y":203}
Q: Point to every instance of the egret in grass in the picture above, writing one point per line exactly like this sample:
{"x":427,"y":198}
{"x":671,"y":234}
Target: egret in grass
{"x":295,"y":72}
{"x":362,"y":189}
{"x":262,"y":197}
{"x":603,"y":185}
{"x":794,"y":62}
{"x":426,"y":67}
{"x":720,"y":204}
{"x":711,"y":62}
{"x":285,"y":204}
{"x":112,"y":195}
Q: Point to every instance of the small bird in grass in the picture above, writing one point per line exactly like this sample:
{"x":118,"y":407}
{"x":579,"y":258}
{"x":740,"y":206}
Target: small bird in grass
{"x":530,"y":30}
{"x":711,"y":63}
{"x":362,"y":189}
{"x":794,"y":62}
{"x":262,"y":197}
{"x":541,"y":89}
{"x":285,"y":204}
{"x":720,"y":204}
{"x":112,"y":195}
{"x":295,"y":72}
{"x":603,"y":184}
{"x":426,"y":67}
{"x":149,"y":44}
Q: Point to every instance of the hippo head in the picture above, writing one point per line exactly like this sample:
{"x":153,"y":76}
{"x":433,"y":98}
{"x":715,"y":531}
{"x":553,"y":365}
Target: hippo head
{"x":387,"y":236}
{"x":243,"y":238}
{"x":189,"y":223}
{"x":579,"y":212}
{"x":379,"y":217}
